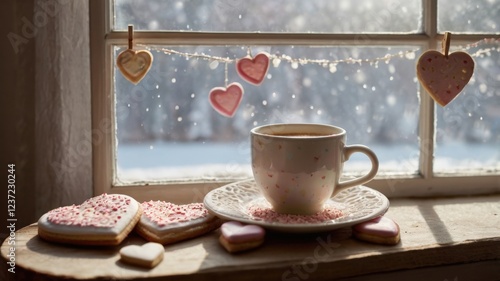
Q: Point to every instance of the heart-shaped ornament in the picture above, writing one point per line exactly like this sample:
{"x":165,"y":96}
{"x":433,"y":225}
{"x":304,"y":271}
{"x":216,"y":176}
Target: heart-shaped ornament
{"x":235,"y":232}
{"x":253,"y":70}
{"x":102,"y":220}
{"x":226,"y":100}
{"x":134,"y":64}
{"x":444,"y":77}
{"x":148,"y":255}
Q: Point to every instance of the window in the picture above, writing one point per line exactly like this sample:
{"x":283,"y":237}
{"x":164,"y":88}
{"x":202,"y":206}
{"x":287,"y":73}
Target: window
{"x":347,"y":63}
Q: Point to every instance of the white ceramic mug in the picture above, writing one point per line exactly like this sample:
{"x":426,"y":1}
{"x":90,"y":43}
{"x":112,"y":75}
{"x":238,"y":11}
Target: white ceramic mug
{"x":297,"y":167}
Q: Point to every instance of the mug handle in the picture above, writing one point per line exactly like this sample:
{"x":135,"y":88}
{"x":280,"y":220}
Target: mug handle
{"x":347,"y":152}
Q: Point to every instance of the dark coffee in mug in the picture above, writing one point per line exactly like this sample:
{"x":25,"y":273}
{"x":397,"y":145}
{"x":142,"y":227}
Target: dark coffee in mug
{"x":300,"y":135}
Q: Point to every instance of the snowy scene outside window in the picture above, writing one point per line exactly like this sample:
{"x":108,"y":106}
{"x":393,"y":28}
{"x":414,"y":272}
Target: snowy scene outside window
{"x":354,"y":16}
{"x":166,"y":129}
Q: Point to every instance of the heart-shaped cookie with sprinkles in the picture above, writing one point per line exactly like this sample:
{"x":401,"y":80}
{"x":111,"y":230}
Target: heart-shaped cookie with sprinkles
{"x":444,"y":75}
{"x":167,"y":223}
{"x":102,"y":220}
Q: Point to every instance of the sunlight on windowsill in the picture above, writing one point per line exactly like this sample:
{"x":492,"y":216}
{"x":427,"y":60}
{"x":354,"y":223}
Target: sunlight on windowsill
{"x":442,"y":238}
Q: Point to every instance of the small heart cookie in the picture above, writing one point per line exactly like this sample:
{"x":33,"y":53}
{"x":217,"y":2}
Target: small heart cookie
{"x":134,"y":64}
{"x":444,"y":77}
{"x":226,"y":100}
{"x":148,"y":255}
{"x":236,"y":237}
{"x":381,"y":230}
{"x":102,"y":220}
{"x":253,"y":70}
{"x":167,"y":223}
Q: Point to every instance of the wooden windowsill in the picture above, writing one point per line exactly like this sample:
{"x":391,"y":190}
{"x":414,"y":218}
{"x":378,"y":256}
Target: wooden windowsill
{"x":441,"y":238}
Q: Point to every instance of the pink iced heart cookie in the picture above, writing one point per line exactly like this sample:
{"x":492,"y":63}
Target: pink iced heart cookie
{"x":236,"y":237}
{"x":102,"y":220}
{"x":444,"y":77}
{"x":148,"y":255}
{"x":236,"y":232}
{"x":253,"y":70}
{"x":167,"y":223}
{"x":226,"y":100}
{"x":381,"y":230}
{"x":134,"y":65}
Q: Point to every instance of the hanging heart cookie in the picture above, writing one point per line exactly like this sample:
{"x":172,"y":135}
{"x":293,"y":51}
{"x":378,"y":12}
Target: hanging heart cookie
{"x":134,"y":64}
{"x":253,"y":70}
{"x":444,"y":75}
{"x":226,"y":100}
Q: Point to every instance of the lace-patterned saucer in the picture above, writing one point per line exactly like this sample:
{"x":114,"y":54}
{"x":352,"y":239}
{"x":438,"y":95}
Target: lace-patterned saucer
{"x":243,"y":202}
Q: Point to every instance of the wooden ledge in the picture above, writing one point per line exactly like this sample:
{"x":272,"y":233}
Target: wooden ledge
{"x":446,"y":237}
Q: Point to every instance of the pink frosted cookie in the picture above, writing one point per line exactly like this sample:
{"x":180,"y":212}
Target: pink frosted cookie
{"x":381,"y":230}
{"x":236,"y":237}
{"x":226,"y":100}
{"x":166,"y":223}
{"x":253,"y":70}
{"x":102,"y":220}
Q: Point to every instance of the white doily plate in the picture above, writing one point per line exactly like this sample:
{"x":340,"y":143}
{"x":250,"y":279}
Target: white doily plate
{"x":357,"y":204}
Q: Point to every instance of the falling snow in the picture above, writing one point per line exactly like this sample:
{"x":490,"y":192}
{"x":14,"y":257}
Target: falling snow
{"x":376,"y":102}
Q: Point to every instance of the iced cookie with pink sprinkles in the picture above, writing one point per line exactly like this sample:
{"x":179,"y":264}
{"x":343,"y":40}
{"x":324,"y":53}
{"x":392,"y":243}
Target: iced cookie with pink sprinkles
{"x":102,"y":221}
{"x":167,"y":223}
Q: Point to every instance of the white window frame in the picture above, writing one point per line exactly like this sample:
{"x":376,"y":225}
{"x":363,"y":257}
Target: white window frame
{"x":103,"y":39}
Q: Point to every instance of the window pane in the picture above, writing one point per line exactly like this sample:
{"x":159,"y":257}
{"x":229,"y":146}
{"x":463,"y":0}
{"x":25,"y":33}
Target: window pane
{"x":166,"y":128}
{"x":479,"y":16}
{"x":325,"y":16}
{"x":468,"y":128}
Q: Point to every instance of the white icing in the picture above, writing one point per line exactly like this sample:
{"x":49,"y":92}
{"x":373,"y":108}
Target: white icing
{"x":75,"y":230}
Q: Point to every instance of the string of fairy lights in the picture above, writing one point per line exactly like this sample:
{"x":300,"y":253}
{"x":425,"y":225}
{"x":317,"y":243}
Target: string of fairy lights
{"x":276,"y":59}
{"x":226,"y":99}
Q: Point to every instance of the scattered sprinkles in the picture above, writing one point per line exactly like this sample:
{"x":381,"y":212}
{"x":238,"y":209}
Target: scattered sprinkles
{"x":163,"y":213}
{"x":100,"y":211}
{"x":269,"y":215}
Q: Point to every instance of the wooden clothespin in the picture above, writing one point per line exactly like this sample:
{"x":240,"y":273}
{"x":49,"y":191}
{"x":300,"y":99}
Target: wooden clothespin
{"x":130,"y":36}
{"x":445,"y":44}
